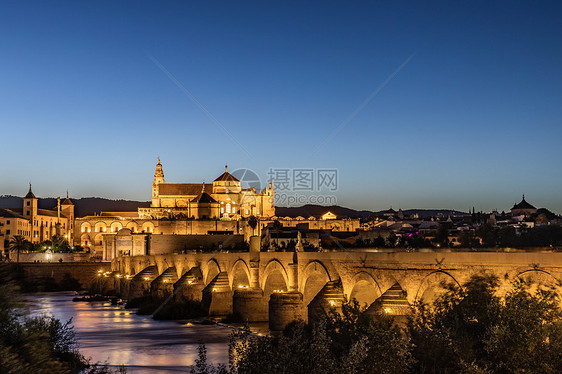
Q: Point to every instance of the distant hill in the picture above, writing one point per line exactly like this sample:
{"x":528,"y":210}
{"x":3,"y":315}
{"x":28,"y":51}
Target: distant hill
{"x":318,"y":210}
{"x":89,"y":205}
{"x":83,"y":207}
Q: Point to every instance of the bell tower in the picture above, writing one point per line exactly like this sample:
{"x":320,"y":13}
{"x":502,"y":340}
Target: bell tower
{"x":30,"y":210}
{"x":158,"y":178}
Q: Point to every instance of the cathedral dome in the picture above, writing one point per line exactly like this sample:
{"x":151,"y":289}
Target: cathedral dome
{"x":226,"y":177}
{"x":523,"y":205}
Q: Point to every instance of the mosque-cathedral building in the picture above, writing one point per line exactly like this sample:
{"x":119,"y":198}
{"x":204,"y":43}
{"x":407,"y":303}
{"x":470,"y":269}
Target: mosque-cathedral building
{"x":181,"y":216}
{"x":223,"y":199}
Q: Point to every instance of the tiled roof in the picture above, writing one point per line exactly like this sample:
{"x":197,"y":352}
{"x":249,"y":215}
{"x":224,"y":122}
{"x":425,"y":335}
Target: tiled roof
{"x":523,"y":205}
{"x":67,"y":202}
{"x":204,"y":198}
{"x":226,"y":176}
{"x":30,"y":195}
{"x":50,"y":213}
{"x":8,"y":213}
{"x":182,"y":189}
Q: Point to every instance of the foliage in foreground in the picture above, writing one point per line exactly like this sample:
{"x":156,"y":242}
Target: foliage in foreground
{"x":36,"y":344}
{"x":468,"y":330}
{"x":476,"y":331}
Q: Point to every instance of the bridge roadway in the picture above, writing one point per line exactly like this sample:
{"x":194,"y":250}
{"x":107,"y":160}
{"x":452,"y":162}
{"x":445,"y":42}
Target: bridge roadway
{"x":282,"y":286}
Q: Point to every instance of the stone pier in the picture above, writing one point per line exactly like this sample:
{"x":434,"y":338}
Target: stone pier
{"x":283,"y":286}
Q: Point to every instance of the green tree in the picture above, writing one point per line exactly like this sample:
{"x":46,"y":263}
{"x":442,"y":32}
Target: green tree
{"x":488,"y":234}
{"x":391,"y":240}
{"x":36,"y":344}
{"x":253,"y":223}
{"x":475,"y":330}
{"x":18,"y":243}
{"x":344,"y":343}
{"x":59,"y":243}
{"x":442,"y":236}
{"x":468,"y":239}
{"x":277,"y":225}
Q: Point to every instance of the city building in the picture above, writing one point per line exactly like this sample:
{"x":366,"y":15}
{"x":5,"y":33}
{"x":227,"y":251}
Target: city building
{"x":35,"y":224}
{"x":12,"y":224}
{"x":523,"y":209}
{"x":224,"y":198}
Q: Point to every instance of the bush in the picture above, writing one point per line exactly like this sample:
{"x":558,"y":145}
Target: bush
{"x":468,"y":330}
{"x":36,"y":344}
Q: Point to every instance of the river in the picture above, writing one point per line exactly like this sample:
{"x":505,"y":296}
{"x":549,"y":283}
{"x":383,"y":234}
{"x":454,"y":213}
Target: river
{"x":111,"y":334}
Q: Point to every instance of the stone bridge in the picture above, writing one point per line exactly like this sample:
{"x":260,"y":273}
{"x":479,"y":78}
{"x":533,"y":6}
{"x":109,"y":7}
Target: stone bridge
{"x":282,"y":286}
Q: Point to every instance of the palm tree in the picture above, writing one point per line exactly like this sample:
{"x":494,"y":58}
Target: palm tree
{"x":18,"y":243}
{"x":253,"y":222}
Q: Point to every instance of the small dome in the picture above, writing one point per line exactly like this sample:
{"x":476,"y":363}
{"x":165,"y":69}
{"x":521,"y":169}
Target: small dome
{"x":124,"y":232}
{"x":226,"y":176}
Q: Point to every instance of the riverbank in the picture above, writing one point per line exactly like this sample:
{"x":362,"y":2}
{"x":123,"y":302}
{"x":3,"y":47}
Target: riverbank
{"x":111,"y":334}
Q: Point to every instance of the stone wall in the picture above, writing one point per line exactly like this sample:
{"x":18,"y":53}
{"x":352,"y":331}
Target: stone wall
{"x":162,"y":244}
{"x":281,"y":286}
{"x":85,"y":272}
{"x":51,"y":257}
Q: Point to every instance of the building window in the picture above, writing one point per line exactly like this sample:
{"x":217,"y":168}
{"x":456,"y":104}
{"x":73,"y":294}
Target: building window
{"x":228,"y":208}
{"x":7,"y":222}
{"x":27,"y":203}
{"x":7,"y":232}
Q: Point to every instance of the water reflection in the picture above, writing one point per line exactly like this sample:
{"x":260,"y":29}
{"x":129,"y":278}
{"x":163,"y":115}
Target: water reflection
{"x":110,"y":333}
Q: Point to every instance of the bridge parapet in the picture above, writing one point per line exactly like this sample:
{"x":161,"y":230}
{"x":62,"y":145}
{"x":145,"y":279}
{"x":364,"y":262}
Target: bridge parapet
{"x":365,"y":276}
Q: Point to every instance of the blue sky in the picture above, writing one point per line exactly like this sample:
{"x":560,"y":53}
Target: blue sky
{"x":473,"y":118}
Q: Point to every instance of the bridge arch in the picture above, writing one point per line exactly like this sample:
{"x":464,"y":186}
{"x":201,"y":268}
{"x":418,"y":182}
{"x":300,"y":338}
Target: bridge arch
{"x":433,"y":285}
{"x":275,"y":278}
{"x":212,"y":269}
{"x":364,"y":288}
{"x":239,"y":275}
{"x":538,"y":278}
{"x":314,"y":278}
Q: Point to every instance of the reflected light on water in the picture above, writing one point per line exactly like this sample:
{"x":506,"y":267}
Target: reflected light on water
{"x":109,"y":333}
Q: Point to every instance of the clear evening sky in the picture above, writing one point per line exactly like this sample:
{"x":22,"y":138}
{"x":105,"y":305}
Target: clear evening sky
{"x":466,"y":108}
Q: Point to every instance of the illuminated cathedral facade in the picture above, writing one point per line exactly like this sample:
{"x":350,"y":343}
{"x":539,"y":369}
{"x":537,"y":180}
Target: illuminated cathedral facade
{"x":224,"y":198}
